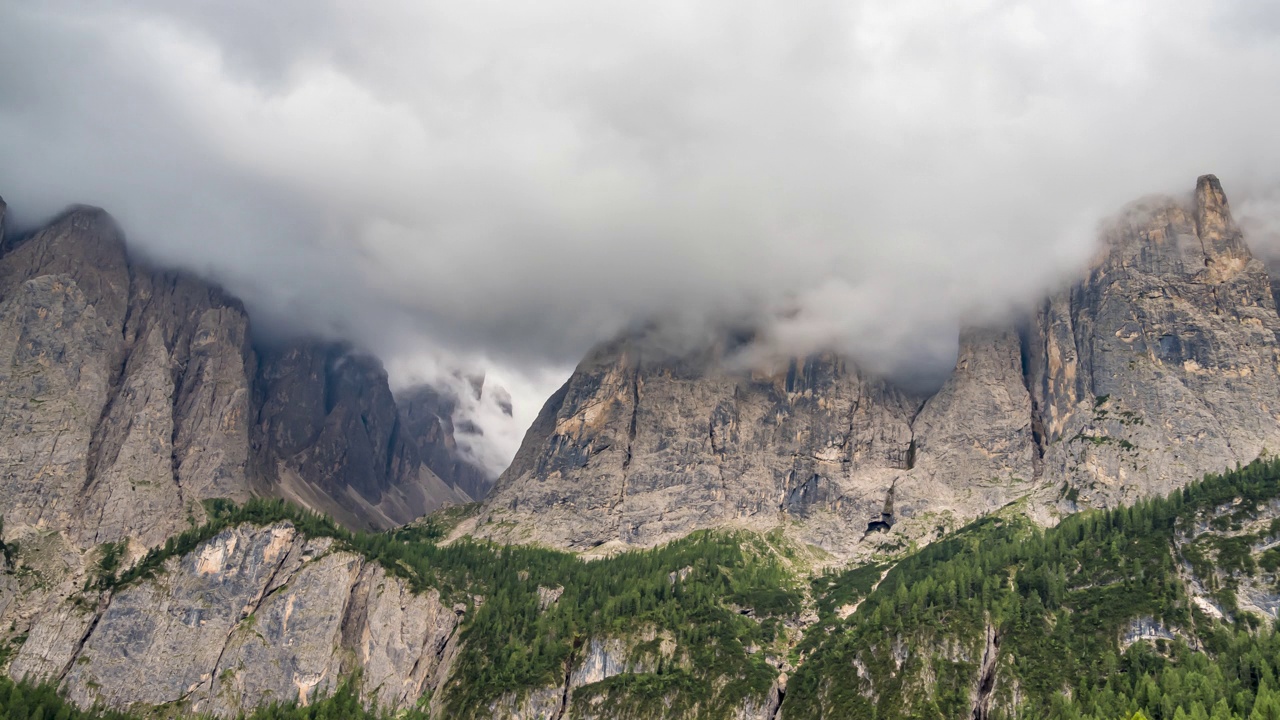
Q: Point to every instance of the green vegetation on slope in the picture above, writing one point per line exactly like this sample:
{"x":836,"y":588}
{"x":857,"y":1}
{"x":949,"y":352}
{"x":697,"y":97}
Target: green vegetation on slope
{"x":710,"y":596}
{"x":1053,"y":606}
{"x":1109,"y":614}
{"x":26,"y":701}
{"x":511,"y":644}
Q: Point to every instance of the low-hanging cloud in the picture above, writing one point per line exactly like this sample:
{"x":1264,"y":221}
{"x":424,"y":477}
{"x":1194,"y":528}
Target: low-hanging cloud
{"x":504,"y":184}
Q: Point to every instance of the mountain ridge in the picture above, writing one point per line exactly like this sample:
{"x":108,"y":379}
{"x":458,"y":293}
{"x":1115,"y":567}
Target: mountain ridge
{"x":1168,"y":338}
{"x":140,"y":373}
{"x":810,"y":542}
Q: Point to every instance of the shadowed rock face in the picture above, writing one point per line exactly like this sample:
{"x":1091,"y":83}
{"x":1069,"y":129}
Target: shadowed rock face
{"x":1158,"y":367}
{"x":329,"y":435}
{"x":131,"y":394}
{"x":427,"y":414}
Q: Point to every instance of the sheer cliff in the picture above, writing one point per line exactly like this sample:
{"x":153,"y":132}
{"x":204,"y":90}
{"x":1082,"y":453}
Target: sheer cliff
{"x":133,"y":393}
{"x":1162,"y":364}
{"x":427,"y":414}
{"x":1158,"y":366}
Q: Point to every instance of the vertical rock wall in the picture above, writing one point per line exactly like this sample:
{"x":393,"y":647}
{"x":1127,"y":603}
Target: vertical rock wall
{"x":1161,"y":365}
{"x":132,"y":394}
{"x":254,"y":615}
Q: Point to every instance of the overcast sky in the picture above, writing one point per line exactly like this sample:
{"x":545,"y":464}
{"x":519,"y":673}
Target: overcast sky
{"x":498,"y":185}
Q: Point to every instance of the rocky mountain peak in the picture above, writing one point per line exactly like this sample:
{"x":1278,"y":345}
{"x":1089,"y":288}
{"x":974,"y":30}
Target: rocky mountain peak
{"x":83,"y":243}
{"x":327,"y":421}
{"x":643,"y":444}
{"x":1161,"y":364}
{"x":1212,"y":213}
{"x":133,"y":393}
{"x":1194,"y":239}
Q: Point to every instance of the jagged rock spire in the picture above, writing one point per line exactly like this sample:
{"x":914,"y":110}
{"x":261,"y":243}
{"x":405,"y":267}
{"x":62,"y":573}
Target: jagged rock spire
{"x":1162,"y":364}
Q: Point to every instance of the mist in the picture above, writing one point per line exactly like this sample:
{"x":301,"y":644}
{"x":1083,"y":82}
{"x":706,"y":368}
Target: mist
{"x":497,"y":186}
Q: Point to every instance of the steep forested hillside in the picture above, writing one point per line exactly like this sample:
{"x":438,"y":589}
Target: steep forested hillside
{"x":691,"y":617}
{"x":1159,"y":607}
{"x":1165,"y":607}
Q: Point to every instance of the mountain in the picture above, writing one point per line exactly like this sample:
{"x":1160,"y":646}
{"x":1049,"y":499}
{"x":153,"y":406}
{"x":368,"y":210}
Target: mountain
{"x":254,"y":614}
{"x":1166,"y":607}
{"x":692,"y":539}
{"x":133,"y":393}
{"x":1160,"y":365}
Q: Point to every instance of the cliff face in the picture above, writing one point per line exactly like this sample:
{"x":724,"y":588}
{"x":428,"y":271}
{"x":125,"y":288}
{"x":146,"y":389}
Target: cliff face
{"x":330,"y":436}
{"x":427,"y":414}
{"x":1162,"y":364}
{"x":640,"y":448}
{"x":1158,"y":367}
{"x":255,"y":615}
{"x":132,"y":394}
{"x":261,"y":614}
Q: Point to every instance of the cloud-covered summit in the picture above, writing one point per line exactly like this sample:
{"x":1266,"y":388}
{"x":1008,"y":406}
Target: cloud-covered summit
{"x":504,"y":184}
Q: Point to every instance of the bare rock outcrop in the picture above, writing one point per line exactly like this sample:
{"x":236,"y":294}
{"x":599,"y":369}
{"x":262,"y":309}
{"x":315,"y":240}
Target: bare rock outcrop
{"x":641,"y":447}
{"x":63,"y":302}
{"x":133,"y":394}
{"x":329,"y":436}
{"x":254,"y":615}
{"x":427,"y":414}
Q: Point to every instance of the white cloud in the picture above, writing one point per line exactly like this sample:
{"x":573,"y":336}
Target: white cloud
{"x":507,"y":183}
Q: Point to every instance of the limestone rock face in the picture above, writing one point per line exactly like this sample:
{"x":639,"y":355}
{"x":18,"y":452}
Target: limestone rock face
{"x":1161,"y":365}
{"x":63,"y":303}
{"x":976,"y":446}
{"x":640,"y":447}
{"x":128,"y":395}
{"x":254,"y":615}
{"x":131,"y":394}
